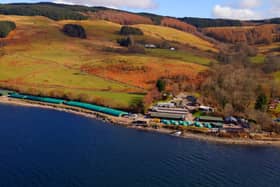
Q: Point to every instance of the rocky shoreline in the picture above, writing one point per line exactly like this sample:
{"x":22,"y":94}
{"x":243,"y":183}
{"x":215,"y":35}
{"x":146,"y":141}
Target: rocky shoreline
{"x":127,"y":123}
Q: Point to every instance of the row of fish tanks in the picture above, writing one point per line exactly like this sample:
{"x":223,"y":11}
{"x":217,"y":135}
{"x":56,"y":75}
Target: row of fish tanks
{"x":190,"y":123}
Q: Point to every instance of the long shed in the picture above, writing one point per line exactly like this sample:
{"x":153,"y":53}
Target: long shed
{"x":97,"y":108}
{"x":36,"y":98}
{"x":211,"y":119}
{"x":164,"y":115}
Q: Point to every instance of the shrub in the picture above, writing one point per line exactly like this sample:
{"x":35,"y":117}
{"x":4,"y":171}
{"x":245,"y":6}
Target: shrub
{"x":272,"y":64}
{"x":261,"y":102}
{"x":6,"y":27}
{"x":74,"y":31}
{"x":161,"y":85}
{"x":126,"y":30}
{"x":125,"y":42}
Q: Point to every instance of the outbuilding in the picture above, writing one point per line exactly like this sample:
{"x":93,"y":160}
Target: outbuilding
{"x":164,"y":115}
{"x":151,"y":46}
{"x":231,"y":119}
{"x":211,"y":119}
{"x":206,"y":109}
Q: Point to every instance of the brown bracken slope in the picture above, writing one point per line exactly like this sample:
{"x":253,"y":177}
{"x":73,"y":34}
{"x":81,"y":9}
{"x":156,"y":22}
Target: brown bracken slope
{"x":250,"y":34}
{"x":177,"y":24}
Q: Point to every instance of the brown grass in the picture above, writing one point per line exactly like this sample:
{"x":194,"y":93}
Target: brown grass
{"x":249,"y":34}
{"x":144,"y":71}
{"x":176,"y":24}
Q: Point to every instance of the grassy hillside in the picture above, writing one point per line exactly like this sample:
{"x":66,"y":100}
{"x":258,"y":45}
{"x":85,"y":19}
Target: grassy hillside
{"x":180,"y":55}
{"x":38,"y":56}
{"x":176,"y":36}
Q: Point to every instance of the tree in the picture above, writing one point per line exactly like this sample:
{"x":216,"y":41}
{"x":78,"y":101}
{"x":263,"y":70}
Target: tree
{"x":126,"y":42}
{"x":74,"y":30}
{"x":126,"y":30}
{"x":150,"y":97}
{"x":228,"y":110}
{"x":272,"y":64}
{"x":261,"y":102}
{"x":6,"y":27}
{"x":161,"y":85}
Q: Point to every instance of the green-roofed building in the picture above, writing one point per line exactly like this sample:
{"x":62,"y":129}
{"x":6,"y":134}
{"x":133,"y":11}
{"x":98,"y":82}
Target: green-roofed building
{"x":97,"y":108}
{"x":170,"y":116}
{"x":211,"y":119}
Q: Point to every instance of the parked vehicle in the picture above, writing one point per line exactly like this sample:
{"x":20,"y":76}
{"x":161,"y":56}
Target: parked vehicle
{"x":231,"y":120}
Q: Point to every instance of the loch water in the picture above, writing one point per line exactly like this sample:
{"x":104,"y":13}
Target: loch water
{"x":48,"y":148}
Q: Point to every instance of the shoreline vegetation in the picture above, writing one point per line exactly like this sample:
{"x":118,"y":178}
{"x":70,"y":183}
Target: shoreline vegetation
{"x":128,"y":123}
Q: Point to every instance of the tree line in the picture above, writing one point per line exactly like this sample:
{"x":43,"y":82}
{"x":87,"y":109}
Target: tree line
{"x":48,"y":10}
{"x":207,"y":22}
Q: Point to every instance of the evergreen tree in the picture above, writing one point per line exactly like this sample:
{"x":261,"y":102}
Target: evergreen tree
{"x":161,"y":85}
{"x":261,"y":103}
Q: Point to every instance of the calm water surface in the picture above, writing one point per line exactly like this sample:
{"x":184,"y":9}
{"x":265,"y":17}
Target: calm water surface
{"x":45,"y":148}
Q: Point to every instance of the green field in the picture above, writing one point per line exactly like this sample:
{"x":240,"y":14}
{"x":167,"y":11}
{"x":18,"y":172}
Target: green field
{"x":259,"y":59}
{"x":174,"y":35}
{"x":277,"y":76}
{"x":180,"y":55}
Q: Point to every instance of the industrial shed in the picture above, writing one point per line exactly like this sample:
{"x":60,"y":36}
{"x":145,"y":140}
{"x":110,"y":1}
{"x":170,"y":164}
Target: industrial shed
{"x":96,"y":108}
{"x":36,"y":98}
{"x":163,"y":115}
{"x":211,"y":119}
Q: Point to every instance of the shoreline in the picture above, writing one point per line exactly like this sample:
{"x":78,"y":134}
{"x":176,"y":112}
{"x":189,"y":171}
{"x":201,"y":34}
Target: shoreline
{"x":126,"y":122}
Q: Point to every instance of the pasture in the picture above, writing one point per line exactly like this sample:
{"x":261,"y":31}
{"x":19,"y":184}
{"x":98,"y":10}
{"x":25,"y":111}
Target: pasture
{"x":174,"y":35}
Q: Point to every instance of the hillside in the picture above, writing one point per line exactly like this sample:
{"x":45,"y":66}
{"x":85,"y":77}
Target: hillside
{"x":175,"y":35}
{"x":224,"y":30}
{"x":123,"y":18}
{"x":38,"y":58}
{"x":176,"y":24}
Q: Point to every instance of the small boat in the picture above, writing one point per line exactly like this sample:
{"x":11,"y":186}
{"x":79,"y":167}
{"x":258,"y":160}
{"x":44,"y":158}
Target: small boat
{"x":177,"y":133}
